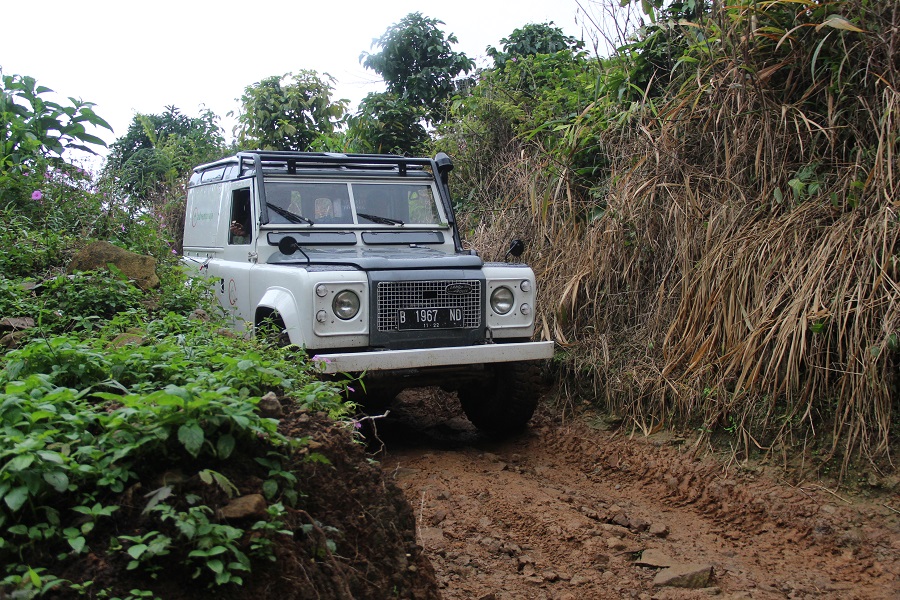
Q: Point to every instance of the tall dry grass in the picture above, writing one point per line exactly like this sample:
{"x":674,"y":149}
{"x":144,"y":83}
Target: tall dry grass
{"x":743,"y":276}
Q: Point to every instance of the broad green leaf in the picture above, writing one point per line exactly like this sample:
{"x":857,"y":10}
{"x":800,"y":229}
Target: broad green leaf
{"x":137,"y":550}
{"x":20,"y":463}
{"x":192,"y":438}
{"x":16,"y":498}
{"x":58,"y":480}
{"x":225,"y":445}
{"x":77,"y":544}
{"x":49,"y":456}
{"x":216,"y":565}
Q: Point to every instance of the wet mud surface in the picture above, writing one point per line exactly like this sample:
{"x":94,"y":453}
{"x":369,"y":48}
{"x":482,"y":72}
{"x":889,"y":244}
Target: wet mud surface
{"x":566,"y":511}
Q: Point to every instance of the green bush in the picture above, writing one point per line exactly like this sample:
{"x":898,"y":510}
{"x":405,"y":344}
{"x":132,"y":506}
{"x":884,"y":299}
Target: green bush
{"x":84,"y":420}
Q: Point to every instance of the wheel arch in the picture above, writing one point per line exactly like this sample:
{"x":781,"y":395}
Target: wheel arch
{"x":281,"y":302}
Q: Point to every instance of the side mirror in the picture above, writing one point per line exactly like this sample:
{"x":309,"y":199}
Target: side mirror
{"x":516,"y":248}
{"x":287,"y":245}
{"x":444,"y":166}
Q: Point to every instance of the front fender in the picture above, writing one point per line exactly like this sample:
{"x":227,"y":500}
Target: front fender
{"x":283,"y":302}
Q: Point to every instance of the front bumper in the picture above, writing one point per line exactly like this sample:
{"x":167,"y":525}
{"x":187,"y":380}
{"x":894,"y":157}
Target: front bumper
{"x":386,"y":360}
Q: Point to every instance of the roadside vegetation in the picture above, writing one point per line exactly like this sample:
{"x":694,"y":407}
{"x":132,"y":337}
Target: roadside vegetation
{"x":710,"y":205}
{"x":712,"y":213}
{"x":125,"y":413}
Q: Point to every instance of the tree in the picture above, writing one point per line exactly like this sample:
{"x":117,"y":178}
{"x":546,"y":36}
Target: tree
{"x":386,"y":124}
{"x":288,"y":112}
{"x":160,"y":149}
{"x":417,"y":63}
{"x":532,"y":39}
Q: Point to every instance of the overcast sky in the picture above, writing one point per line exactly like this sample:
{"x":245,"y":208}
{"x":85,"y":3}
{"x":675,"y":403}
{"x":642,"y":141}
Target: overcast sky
{"x":129,"y":56}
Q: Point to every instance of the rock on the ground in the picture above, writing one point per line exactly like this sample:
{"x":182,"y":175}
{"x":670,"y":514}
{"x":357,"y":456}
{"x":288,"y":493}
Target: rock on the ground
{"x":270,"y":407}
{"x":432,"y":538}
{"x":251,"y":505}
{"x":13,"y":339}
{"x":98,"y":255}
{"x":16,"y":323}
{"x":651,"y":557}
{"x":685,"y":575}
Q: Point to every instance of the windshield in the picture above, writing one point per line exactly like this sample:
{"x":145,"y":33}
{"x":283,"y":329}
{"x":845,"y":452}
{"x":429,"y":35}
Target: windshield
{"x":369,"y":204}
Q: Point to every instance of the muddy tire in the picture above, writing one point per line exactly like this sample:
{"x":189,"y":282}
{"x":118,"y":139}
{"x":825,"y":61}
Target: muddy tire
{"x":507,"y":403}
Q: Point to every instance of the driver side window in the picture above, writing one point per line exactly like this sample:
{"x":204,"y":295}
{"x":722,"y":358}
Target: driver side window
{"x":240,"y":229}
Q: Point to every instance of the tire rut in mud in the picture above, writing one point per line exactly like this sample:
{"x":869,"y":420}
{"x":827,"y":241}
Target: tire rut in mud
{"x":564,"y":511}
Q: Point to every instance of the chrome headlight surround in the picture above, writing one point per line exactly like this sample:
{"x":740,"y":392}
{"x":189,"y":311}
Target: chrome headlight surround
{"x":502,"y":300}
{"x":345,"y":305}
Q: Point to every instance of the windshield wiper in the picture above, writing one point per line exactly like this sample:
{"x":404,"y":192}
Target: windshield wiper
{"x":380,"y":220}
{"x":292,"y":217}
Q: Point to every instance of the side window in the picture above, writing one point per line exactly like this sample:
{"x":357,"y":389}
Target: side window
{"x":240,"y":230}
{"x":212,"y":175}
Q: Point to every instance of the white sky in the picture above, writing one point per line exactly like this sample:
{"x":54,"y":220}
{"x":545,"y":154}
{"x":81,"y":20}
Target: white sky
{"x":128,"y":56}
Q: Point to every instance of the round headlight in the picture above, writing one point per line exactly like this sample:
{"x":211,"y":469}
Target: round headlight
{"x":502,"y":300}
{"x":345,"y":305}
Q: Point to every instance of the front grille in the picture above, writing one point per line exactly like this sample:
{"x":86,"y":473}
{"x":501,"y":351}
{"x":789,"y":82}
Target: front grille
{"x":395,"y":295}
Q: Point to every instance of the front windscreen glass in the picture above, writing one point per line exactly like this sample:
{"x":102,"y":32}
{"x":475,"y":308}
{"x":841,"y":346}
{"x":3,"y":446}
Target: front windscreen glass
{"x":395,"y":204}
{"x":368,"y":204}
{"x":307,"y":203}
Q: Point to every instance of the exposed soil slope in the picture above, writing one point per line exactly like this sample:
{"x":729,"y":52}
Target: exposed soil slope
{"x":353,"y":533}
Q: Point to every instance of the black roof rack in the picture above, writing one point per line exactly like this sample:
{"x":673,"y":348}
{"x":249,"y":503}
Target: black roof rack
{"x":290,"y":161}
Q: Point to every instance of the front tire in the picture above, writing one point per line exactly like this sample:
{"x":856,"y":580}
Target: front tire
{"x":508,"y":402}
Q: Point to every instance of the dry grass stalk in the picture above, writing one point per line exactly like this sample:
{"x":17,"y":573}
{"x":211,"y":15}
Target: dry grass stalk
{"x":744,"y":274}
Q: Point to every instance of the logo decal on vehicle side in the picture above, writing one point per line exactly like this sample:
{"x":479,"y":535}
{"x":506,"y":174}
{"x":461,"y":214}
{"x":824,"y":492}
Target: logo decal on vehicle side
{"x":459,"y":289}
{"x":232,"y":292}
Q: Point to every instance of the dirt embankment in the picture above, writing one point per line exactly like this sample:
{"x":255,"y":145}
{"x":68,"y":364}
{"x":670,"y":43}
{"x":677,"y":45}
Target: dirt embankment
{"x":565,"y":511}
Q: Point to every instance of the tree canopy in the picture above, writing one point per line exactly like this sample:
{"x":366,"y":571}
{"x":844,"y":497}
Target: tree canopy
{"x":532,"y":39}
{"x":288,"y":112}
{"x":417,"y":63}
{"x":386,"y":124}
{"x":160,"y":148}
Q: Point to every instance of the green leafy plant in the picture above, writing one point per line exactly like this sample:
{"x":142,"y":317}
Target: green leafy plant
{"x":288,"y":112}
{"x":418,"y":64}
{"x":33,"y":128}
{"x":145,"y":548}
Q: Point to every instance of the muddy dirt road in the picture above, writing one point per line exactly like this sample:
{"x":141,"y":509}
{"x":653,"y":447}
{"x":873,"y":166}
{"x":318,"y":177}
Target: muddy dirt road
{"x":566,"y":511}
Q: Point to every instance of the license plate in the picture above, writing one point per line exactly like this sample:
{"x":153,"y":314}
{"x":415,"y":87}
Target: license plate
{"x":429,"y":318}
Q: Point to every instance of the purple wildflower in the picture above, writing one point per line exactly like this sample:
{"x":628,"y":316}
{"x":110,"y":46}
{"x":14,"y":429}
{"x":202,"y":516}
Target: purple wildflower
{"x":36,"y":195}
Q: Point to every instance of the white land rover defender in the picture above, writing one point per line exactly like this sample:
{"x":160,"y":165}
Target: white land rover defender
{"x":357,"y":259}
